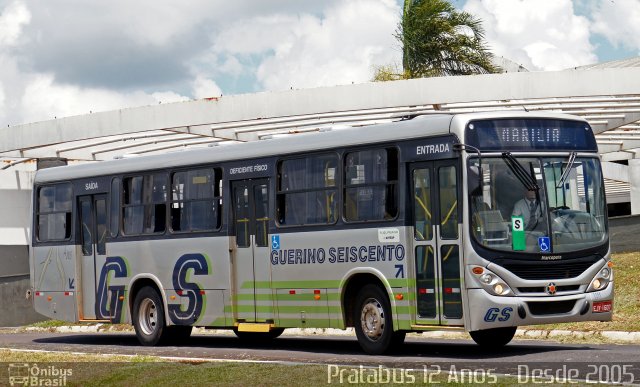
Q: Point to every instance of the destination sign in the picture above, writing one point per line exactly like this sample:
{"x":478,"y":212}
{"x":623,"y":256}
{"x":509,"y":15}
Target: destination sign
{"x":530,"y":134}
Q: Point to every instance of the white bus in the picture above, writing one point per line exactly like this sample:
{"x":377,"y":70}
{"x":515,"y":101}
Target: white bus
{"x":476,"y":222}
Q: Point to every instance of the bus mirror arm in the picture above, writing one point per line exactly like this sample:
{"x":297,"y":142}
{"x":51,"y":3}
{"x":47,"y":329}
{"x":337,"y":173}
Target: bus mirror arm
{"x":460,"y":147}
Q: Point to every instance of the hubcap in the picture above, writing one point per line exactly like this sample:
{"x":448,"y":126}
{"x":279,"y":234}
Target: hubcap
{"x":148,"y":318}
{"x":372,"y":319}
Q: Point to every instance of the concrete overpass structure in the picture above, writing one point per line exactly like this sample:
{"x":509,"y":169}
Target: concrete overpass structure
{"x":607,"y":95}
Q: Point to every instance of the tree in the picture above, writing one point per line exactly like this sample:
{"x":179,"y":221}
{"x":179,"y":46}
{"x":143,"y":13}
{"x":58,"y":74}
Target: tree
{"x":438,"y":40}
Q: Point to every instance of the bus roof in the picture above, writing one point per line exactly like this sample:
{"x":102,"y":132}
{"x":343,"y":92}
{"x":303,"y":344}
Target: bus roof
{"x":430,"y":125}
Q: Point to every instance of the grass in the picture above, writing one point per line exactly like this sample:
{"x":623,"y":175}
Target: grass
{"x":53,"y":324}
{"x":48,"y":324}
{"x":142,"y":371}
{"x":626,"y":308}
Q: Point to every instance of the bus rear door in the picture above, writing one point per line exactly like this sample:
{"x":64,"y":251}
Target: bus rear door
{"x":253,"y":299}
{"x":437,"y":242}
{"x":93,"y":235}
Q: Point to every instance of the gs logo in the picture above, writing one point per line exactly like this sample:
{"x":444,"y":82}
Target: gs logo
{"x":197,"y":264}
{"x":494,"y":314}
{"x":108,"y":303}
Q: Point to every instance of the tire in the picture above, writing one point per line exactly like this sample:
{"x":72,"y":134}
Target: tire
{"x":495,"y":338}
{"x":398,"y":339}
{"x":373,"y":321}
{"x":259,"y":336}
{"x":178,"y":334}
{"x":148,"y":317}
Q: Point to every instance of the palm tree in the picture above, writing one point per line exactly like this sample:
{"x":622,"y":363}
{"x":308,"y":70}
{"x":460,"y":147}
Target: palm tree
{"x":438,"y":40}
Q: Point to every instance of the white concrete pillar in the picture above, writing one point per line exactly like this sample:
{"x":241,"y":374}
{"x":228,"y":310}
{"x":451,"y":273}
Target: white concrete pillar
{"x":634,"y":181}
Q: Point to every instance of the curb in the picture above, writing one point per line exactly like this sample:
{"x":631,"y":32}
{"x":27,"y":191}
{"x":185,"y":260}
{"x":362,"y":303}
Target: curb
{"x":628,"y":337}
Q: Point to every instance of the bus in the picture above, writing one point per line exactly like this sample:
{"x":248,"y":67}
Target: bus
{"x":473,"y":222}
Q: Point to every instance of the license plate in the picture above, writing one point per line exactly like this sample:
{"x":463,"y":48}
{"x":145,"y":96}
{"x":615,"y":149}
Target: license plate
{"x":601,"y":307}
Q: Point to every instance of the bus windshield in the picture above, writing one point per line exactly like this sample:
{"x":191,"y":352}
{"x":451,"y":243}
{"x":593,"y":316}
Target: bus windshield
{"x":537,"y":204}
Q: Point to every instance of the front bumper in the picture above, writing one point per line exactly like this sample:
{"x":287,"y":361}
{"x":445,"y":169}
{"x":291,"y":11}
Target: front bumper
{"x":488,"y":311}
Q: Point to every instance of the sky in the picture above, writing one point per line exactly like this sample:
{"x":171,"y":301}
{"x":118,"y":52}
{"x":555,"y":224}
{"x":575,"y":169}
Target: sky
{"x":68,"y":57}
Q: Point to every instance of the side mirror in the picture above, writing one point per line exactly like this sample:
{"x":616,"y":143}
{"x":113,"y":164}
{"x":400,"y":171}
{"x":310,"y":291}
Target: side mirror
{"x":475,"y":175}
{"x":475,"y":180}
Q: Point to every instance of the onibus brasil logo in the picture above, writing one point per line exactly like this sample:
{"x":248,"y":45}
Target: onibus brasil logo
{"x":25,"y":374}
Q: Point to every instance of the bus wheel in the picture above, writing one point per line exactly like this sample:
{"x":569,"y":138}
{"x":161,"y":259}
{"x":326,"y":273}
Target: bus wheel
{"x":259,"y":336}
{"x":493,"y":338}
{"x":372,"y":320}
{"x":148,"y":317}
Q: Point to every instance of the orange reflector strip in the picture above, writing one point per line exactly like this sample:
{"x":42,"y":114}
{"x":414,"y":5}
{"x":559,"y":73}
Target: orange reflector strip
{"x":316,"y":297}
{"x":172,"y":297}
{"x":477,"y":270}
{"x":49,"y":298}
{"x":610,"y":264}
{"x":121,"y":298}
{"x":399,"y":297}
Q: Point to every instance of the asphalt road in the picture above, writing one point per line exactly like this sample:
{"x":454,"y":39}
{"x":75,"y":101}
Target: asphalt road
{"x":595,"y":362}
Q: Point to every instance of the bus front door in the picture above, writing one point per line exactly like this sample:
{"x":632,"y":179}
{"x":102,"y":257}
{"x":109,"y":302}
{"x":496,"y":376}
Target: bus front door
{"x":93,"y":223}
{"x":437,"y":242}
{"x":253,"y":300}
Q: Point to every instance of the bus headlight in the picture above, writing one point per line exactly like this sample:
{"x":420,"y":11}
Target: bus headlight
{"x":601,"y":280}
{"x":491,"y":282}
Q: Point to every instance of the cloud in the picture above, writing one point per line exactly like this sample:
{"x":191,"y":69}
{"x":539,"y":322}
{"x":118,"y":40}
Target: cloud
{"x":619,"y":22}
{"x":339,"y":46}
{"x":539,"y":34}
{"x":47,"y":71}
{"x":118,"y":44}
{"x":12,"y":19}
{"x":44,"y":99}
{"x":205,"y":88}
{"x":64,"y":57}
{"x":127,"y":45}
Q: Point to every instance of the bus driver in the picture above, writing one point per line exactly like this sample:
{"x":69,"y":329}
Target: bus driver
{"x":529,"y":209}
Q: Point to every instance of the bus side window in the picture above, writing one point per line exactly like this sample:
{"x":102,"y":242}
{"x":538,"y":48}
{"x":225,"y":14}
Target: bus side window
{"x":370,"y":185}
{"x":195,"y":200}
{"x":54,"y":212}
{"x":144,"y":207}
{"x":307,"y":190}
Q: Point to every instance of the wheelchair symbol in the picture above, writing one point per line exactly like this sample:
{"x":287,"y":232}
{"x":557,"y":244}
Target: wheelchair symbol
{"x":544,"y":243}
{"x":275,"y":242}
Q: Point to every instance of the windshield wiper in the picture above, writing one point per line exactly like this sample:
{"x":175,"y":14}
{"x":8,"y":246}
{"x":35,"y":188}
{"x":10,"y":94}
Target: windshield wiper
{"x":565,"y":174}
{"x":525,"y":178}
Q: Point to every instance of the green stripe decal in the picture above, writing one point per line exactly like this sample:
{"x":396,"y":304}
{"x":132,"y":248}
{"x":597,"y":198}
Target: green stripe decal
{"x":312,"y":284}
{"x":287,"y":297}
